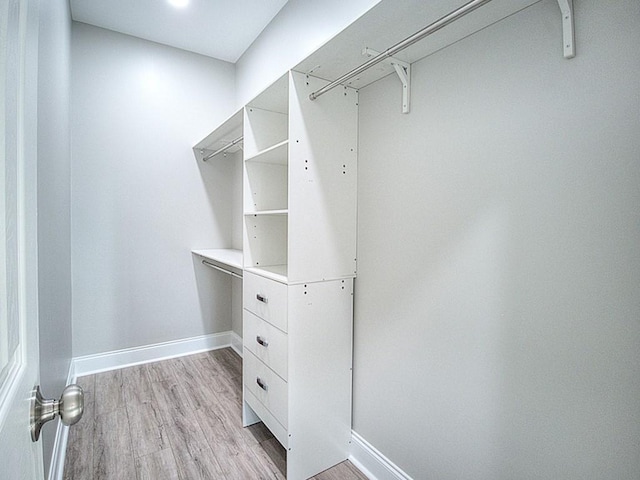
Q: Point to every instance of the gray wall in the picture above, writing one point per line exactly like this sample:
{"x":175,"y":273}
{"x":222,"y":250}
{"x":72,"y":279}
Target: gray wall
{"x":140,"y":201}
{"x":497,"y":301}
{"x":54,"y":211}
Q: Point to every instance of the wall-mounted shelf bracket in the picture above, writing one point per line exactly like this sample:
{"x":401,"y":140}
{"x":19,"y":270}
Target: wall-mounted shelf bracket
{"x":568,"y":31}
{"x":403,"y":69}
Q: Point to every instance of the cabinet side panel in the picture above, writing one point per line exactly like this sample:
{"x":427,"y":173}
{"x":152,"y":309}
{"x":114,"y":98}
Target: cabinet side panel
{"x":320,"y":353}
{"x":322,"y":181}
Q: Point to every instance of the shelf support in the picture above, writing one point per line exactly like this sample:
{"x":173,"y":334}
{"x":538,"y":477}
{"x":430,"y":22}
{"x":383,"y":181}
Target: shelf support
{"x":403,"y":69}
{"x":568,"y":30}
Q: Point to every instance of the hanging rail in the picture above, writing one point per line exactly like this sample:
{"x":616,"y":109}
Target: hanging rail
{"x":223,"y":270}
{"x":425,"y":32}
{"x":223,"y":149}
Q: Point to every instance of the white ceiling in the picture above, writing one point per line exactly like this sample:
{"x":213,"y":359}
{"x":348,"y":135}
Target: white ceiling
{"x":221,"y":29}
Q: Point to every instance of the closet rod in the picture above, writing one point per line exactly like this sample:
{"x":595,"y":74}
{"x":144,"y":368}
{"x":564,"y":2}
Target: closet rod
{"x":223,"y":149}
{"x":229,"y":272}
{"x":391,"y":51}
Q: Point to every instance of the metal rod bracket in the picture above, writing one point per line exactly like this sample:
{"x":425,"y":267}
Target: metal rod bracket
{"x":568,"y":28}
{"x":204,"y":153}
{"x":403,"y":69}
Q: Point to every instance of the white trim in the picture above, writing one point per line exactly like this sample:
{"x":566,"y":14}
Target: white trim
{"x":117,"y":359}
{"x":56,"y":469}
{"x":373,"y":463}
{"x":236,"y":343}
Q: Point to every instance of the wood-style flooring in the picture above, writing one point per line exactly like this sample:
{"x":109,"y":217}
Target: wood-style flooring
{"x":179,"y":419}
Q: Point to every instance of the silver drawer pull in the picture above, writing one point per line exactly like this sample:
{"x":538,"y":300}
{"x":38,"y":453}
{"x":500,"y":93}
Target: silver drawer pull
{"x":261,"y":383}
{"x":261,"y":298}
{"x":262,"y":341}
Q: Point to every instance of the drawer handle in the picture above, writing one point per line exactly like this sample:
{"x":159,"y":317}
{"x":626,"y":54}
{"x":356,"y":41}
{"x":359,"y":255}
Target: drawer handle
{"x":261,"y":384}
{"x":261,"y":298}
{"x":262,"y":341}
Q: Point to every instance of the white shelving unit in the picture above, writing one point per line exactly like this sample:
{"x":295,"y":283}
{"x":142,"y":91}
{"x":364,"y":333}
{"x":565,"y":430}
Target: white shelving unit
{"x":227,"y":132}
{"x":300,"y":165}
{"x":226,"y":259}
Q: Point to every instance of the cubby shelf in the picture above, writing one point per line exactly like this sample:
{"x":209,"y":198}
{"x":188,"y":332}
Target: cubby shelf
{"x":276,"y":154}
{"x":273,"y":272}
{"x":268,"y":212}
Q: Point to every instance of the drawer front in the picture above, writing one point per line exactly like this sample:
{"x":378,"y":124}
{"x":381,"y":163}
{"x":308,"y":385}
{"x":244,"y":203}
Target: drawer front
{"x":266,"y":386}
{"x":265,"y":298}
{"x":266,"y":342}
{"x":267,"y":418}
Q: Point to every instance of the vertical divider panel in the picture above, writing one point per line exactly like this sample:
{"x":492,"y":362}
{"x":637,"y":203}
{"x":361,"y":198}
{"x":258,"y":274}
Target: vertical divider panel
{"x":322,"y":181}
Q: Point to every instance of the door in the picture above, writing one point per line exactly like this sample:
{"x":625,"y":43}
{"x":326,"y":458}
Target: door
{"x":20,"y":458}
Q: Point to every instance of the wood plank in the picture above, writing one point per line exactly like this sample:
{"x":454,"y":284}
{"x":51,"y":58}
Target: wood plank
{"x":233,"y":455}
{"x":343,"y":471}
{"x":157,"y":466}
{"x":148,"y":432}
{"x":229,"y":361}
{"x":136,"y":385}
{"x":217,"y":378}
{"x":78,"y":462}
{"x":160,"y":371}
{"x":108,"y":392}
{"x":196,"y":385}
{"x":112,"y":449}
{"x":273,"y":456}
{"x":194,"y":457}
{"x":173,"y":401}
{"x":256,"y":433}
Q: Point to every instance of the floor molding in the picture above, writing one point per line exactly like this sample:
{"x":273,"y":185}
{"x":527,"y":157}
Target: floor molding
{"x":127,"y":357}
{"x":236,"y":343}
{"x":373,"y":463}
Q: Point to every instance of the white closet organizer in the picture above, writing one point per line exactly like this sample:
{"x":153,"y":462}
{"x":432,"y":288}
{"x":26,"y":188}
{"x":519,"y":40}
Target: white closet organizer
{"x":224,"y":145}
{"x":300,"y":165}
{"x":222,"y":141}
{"x":226,"y":260}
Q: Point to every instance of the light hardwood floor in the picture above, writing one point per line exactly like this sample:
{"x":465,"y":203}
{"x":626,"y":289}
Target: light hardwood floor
{"x":179,"y":419}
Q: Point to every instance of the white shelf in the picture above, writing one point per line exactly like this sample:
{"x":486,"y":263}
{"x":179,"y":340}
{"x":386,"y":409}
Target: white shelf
{"x":226,"y":259}
{"x":268,"y":212}
{"x":276,"y":154}
{"x":228,"y":131}
{"x":274,"y":272}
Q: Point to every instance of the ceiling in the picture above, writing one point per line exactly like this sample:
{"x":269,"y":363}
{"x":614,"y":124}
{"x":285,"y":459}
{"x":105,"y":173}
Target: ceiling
{"x":221,"y":29}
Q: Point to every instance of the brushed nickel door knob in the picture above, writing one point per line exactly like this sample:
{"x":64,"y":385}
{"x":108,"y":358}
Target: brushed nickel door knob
{"x":70,"y":408}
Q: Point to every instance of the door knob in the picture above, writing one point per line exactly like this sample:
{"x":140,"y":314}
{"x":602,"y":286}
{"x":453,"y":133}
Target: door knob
{"x":69,"y":407}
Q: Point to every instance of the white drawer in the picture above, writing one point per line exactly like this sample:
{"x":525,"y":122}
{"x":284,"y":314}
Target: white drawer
{"x":268,"y":388}
{"x":267,"y":418}
{"x":266,"y":342}
{"x":266,"y":298}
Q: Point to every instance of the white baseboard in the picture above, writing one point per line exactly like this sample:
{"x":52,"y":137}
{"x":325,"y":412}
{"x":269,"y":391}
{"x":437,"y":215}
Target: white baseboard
{"x":236,"y":343}
{"x":103,"y":362}
{"x":373,"y":463}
